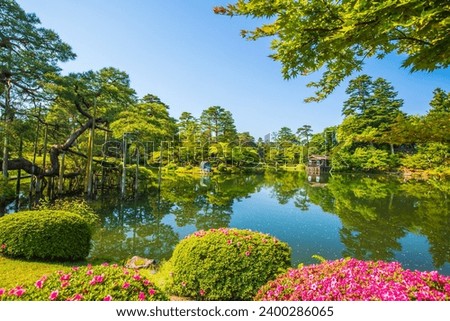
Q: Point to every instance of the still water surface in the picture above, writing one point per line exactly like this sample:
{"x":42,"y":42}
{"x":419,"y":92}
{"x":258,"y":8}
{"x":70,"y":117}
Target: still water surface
{"x":376,"y":218}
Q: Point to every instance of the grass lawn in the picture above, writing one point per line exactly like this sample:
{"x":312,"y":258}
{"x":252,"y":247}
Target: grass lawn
{"x":15,"y":272}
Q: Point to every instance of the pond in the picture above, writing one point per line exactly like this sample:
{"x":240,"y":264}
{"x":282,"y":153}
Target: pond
{"x":371,"y":218}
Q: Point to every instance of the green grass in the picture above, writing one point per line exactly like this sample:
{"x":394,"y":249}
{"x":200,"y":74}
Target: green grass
{"x":14,"y":272}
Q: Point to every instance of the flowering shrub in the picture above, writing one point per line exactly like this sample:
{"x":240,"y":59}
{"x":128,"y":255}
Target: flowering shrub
{"x":50,"y":235}
{"x":88,"y":283}
{"x":354,"y":280}
{"x":226,"y":264}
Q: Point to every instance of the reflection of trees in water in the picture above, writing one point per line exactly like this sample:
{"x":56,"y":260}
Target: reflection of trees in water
{"x":133,"y":228}
{"x":208,"y":203}
{"x":285,"y":186}
{"x":433,"y":216}
{"x":376,"y":213}
{"x":372,"y":223}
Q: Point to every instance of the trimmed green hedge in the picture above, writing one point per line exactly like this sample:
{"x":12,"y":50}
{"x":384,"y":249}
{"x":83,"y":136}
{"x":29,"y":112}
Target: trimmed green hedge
{"x":226,"y":264}
{"x":50,"y":235}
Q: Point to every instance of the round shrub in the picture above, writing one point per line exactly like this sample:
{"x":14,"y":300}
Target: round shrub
{"x":88,"y":283}
{"x":226,"y":264}
{"x":50,"y":235}
{"x":354,"y":280}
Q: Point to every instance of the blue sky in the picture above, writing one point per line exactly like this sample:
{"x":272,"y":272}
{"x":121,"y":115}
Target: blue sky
{"x":192,"y":59}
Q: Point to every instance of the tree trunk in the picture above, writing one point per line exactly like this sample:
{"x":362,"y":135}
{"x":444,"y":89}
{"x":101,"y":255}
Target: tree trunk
{"x":55,"y":151}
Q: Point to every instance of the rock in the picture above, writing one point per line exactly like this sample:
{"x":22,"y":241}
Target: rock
{"x":137,"y":262}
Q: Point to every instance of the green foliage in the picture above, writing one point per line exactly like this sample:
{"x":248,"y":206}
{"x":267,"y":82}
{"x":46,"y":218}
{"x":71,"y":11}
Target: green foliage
{"x":87,"y":283}
{"x":226,"y":264}
{"x":28,"y":52}
{"x":149,"y":120}
{"x":365,"y":159}
{"x":16,"y":271}
{"x":218,"y":124}
{"x":371,"y":159}
{"x":6,"y":191}
{"x":338,"y":36}
{"x":47,"y":234}
{"x":78,"y":206}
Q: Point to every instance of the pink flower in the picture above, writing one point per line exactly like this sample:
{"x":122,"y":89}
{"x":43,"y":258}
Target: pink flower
{"x":146,"y":282}
{"x":202,"y":292}
{"x":65,"y":277}
{"x":107,"y":298}
{"x":141,"y":296}
{"x":53,"y":295}
{"x":151,"y":291}
{"x":17,"y":291}
{"x":351,"y":279}
{"x":89,"y":272}
{"x":3,"y":246}
{"x":247,"y":253}
{"x":20,"y":291}
{"x":78,"y":297}
{"x":97,"y":279}
{"x":2,"y":291}
{"x":229,"y":242}
{"x":75,"y":268}
{"x":39,"y":283}
{"x":65,"y":284}
{"x":105,"y":264}
{"x":126,"y":285}
{"x":137,"y":277}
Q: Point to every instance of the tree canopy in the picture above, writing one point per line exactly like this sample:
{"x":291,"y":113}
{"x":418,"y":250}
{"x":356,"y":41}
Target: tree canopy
{"x":338,"y":36}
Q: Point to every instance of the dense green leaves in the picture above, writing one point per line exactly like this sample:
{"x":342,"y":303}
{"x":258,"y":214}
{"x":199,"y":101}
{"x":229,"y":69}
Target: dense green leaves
{"x":226,"y":264}
{"x":149,"y":119}
{"x":28,"y":52}
{"x":47,"y":234}
{"x":337,"y":36}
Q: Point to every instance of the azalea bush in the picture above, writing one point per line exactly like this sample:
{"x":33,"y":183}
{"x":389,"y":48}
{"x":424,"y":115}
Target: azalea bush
{"x":354,"y":280}
{"x":50,"y":235}
{"x":88,"y":283}
{"x":226,"y":264}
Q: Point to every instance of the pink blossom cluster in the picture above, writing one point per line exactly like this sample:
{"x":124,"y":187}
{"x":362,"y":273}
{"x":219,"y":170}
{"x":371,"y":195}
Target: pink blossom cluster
{"x":18,"y":291}
{"x":355,"y":280}
{"x":105,"y":282}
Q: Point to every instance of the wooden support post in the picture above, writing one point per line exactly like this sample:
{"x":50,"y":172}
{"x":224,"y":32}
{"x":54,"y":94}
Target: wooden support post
{"x":61,"y":174}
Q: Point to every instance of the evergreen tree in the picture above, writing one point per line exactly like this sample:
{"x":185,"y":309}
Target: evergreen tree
{"x":29,"y":53}
{"x":218,"y":124}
